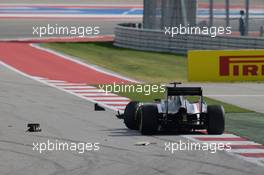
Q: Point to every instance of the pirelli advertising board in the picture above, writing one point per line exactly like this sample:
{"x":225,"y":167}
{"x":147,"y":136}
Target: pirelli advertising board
{"x":227,"y":65}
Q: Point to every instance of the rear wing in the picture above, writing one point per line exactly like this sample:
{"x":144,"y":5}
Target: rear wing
{"x":177,"y":91}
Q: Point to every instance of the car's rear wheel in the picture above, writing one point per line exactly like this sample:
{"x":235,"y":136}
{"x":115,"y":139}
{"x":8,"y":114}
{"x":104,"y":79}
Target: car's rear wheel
{"x":148,"y":119}
{"x":215,"y":120}
{"x":129,"y":115}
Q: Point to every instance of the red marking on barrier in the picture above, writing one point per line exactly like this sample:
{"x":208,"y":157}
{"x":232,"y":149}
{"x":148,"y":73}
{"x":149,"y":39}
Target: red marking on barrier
{"x":220,"y":139}
{"x":40,"y":63}
{"x":252,"y":155}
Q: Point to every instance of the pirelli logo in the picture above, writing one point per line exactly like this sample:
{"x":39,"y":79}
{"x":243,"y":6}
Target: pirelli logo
{"x":251,"y":65}
{"x":226,"y":65}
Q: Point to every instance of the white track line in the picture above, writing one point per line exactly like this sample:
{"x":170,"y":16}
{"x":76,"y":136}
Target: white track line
{"x":35,"y":77}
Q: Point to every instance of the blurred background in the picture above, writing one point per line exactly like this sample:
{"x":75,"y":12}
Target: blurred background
{"x":160,"y":13}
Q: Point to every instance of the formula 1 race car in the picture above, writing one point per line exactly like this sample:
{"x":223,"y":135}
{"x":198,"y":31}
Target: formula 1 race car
{"x":183,"y":108}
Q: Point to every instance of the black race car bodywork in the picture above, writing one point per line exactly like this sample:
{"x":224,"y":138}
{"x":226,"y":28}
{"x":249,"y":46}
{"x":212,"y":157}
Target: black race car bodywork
{"x":177,"y":111}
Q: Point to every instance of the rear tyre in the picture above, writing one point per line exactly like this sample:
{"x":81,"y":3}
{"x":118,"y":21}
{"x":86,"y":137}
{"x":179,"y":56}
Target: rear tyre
{"x":148,"y":123}
{"x":129,"y":115}
{"x":215,"y":120}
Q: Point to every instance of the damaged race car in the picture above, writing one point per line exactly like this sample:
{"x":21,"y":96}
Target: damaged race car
{"x":183,"y":108}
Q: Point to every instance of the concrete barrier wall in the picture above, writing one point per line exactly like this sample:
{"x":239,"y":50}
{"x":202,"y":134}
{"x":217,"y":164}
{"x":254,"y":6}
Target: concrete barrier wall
{"x":155,"y":40}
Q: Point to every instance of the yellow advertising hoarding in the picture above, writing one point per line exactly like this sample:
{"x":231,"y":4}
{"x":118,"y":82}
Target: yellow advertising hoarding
{"x":226,"y":65}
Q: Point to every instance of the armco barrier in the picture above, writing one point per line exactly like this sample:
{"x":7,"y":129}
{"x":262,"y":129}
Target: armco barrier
{"x":129,"y":36}
{"x":226,"y":65}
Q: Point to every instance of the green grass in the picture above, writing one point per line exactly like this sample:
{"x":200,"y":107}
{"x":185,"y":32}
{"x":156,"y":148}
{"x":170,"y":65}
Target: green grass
{"x":229,"y":108}
{"x":248,"y":125}
{"x":144,"y":66}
